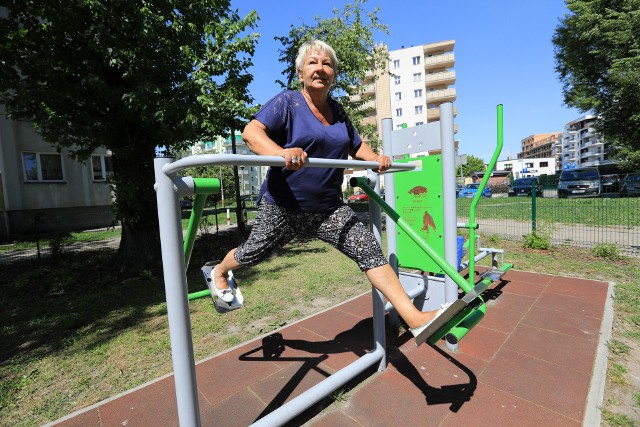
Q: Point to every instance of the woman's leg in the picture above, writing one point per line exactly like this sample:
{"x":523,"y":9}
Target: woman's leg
{"x":346,"y":233}
{"x":385,"y":280}
{"x":274,"y":227}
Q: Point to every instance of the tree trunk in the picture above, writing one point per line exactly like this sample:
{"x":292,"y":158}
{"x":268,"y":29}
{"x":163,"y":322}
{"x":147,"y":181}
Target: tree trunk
{"x":139,"y":247}
{"x":136,"y":207}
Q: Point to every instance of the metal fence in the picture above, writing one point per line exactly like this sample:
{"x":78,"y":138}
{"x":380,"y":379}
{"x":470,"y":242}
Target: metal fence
{"x":580,"y":222}
{"x":574,"y":221}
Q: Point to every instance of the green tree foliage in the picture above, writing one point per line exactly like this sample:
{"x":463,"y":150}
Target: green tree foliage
{"x":128,"y":75}
{"x":223,"y":172}
{"x":474,"y":164}
{"x":597,"y":51}
{"x":350,"y":32}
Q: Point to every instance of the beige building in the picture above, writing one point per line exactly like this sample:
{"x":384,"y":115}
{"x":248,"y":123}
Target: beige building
{"x":418,"y":80}
{"x":539,"y":145}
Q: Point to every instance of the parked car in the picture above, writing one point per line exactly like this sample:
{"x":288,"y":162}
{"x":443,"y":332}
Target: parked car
{"x":523,"y":186}
{"x":580,"y":182}
{"x":358,"y":196}
{"x":630,"y":185}
{"x":610,"y":184}
{"x":459,"y":188}
{"x":470,"y":190}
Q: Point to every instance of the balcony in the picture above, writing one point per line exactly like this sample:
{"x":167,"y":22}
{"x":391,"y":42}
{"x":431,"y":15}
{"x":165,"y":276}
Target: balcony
{"x":444,"y":46}
{"x":433,"y":114}
{"x":447,"y":60}
{"x":369,"y":105}
{"x":439,"y":96}
{"x":443,"y":78}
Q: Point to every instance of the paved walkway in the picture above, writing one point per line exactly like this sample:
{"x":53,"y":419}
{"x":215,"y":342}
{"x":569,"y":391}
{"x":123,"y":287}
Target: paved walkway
{"x":538,"y":358}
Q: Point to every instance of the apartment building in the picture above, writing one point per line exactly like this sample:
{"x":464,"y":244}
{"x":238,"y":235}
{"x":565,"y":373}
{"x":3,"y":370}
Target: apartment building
{"x":251,"y":177}
{"x":581,"y":146}
{"x":539,"y":145}
{"x":528,"y":167}
{"x":418,"y":81}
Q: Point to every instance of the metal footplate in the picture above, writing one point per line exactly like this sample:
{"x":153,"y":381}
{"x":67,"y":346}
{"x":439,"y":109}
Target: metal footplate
{"x":454,"y":312}
{"x":220,"y":305}
{"x":486,"y":279}
{"x":441,"y":320}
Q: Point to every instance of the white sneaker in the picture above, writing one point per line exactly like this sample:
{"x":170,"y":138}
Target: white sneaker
{"x":226,"y":294}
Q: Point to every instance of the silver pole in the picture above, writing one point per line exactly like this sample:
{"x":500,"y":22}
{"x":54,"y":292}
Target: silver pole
{"x":379,"y":336}
{"x":319,"y":391}
{"x":390,"y":198}
{"x":449,"y":196}
{"x":175,"y":285}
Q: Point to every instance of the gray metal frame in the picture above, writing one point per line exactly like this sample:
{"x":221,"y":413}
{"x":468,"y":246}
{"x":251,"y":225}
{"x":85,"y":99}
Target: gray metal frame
{"x":169,"y":186}
{"x":419,"y":139}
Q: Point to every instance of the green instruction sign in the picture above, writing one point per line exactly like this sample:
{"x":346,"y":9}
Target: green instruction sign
{"x":419,"y":201}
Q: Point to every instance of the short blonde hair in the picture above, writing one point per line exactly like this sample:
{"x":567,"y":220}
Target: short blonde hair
{"x":315,"y":45}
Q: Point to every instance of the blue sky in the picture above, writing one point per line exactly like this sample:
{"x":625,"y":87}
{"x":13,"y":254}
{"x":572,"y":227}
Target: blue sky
{"x":504,"y":55}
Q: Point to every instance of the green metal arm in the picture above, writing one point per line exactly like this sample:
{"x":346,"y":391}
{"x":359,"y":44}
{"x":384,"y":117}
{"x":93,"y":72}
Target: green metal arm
{"x":472,"y":226}
{"x":203,"y":188}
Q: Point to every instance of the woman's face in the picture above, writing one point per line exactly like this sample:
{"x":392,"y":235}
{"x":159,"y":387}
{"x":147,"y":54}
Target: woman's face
{"x":317,"y":71}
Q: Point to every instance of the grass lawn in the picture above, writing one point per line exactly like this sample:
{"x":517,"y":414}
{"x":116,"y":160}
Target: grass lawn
{"x":73,"y":334}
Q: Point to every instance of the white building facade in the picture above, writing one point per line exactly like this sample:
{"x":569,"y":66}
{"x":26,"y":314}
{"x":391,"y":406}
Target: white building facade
{"x":581,"y":146}
{"x":251,"y":177}
{"x":525,"y":168}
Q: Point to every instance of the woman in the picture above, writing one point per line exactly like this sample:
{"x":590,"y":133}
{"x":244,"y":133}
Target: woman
{"x":307,"y":201}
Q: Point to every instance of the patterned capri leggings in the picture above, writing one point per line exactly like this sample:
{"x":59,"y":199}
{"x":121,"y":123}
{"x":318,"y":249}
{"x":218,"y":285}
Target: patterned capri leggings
{"x":275,"y":227}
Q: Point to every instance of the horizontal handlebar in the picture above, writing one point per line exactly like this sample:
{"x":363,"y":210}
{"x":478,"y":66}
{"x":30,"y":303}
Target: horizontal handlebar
{"x":251,"y":160}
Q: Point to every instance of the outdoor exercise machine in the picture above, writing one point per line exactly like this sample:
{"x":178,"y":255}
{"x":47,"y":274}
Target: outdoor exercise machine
{"x":456,"y":321}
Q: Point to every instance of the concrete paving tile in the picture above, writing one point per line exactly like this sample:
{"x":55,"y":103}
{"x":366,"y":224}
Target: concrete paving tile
{"x":519,"y":287}
{"x":154,"y":404}
{"x":361,"y":306}
{"x":513,"y":302}
{"x":572,"y":287}
{"x":501,"y":319}
{"x":84,"y":419}
{"x":213,"y":376}
{"x":481,"y":342}
{"x":239,"y":410}
{"x":492,"y":407}
{"x":554,"y":387}
{"x":290,"y":382}
{"x":391,"y":399}
{"x":563,"y":322}
{"x":527,"y":277}
{"x":333,"y":419}
{"x":554,"y":347}
{"x":583,"y":305}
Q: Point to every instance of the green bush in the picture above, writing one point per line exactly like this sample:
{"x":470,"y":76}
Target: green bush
{"x":536,"y":241}
{"x":608,"y":251}
{"x":59,"y":243}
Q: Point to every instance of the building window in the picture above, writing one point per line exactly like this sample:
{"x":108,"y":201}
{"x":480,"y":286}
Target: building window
{"x":396,"y":63}
{"x":508,"y":166}
{"x":418,"y":109}
{"x":417,"y":77}
{"x":528,"y":165}
{"x":417,"y":93}
{"x":398,"y":96}
{"x":42,"y":167}
{"x":416,"y":60}
{"x":396,"y":80}
{"x":544,"y":164}
{"x":102,"y":167}
{"x":432,"y":106}
{"x":398,"y":112}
